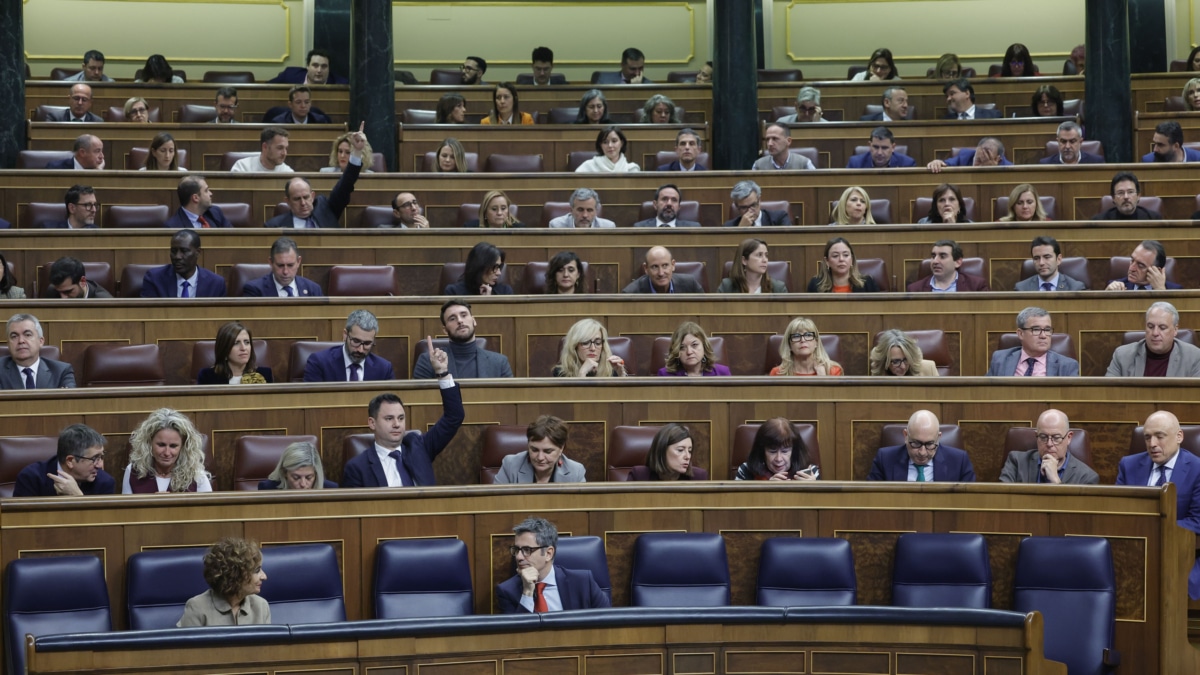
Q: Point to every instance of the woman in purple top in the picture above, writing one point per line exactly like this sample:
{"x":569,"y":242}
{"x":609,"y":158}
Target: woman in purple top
{"x":691,"y":354}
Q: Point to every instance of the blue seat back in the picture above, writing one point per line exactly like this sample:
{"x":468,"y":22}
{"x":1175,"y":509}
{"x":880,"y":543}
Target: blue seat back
{"x":680,"y":569}
{"x":942,"y":570}
{"x":304,"y":584}
{"x":159,"y":583}
{"x":806,"y":572}
{"x":48,"y":596}
{"x":585,"y":553}
{"x":1070,"y":581}
{"x":422,"y":578}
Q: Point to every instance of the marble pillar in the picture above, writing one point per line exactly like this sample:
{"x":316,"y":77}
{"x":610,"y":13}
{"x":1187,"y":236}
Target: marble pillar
{"x":12,"y":82}
{"x":734,"y":127}
{"x":1109,"y":109}
{"x":372,"y":78}
{"x":331,"y":32}
{"x":1148,"y":36}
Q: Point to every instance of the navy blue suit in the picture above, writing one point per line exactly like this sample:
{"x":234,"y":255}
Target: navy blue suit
{"x":160,"y":282}
{"x":980,"y":114}
{"x":675,"y":166}
{"x":1171,"y":285}
{"x":63,"y":225}
{"x":1135,"y":470}
{"x":326,"y":210}
{"x":4,"y":224}
{"x":215,"y":217}
{"x":33,"y":481}
{"x":329,"y":366}
{"x":966,"y":157}
{"x":1189,"y":155}
{"x":864,"y":161}
{"x":283,"y":115}
{"x":297,"y":75}
{"x":1084,"y":158}
{"x":576,"y":589}
{"x":417,"y":450}
{"x":950,"y":465}
{"x":264,"y":287}
{"x":68,"y":163}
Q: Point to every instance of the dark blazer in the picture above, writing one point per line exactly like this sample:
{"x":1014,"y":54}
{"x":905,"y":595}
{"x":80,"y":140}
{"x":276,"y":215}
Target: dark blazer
{"x":491,"y":364}
{"x":214,"y":215}
{"x":50,"y":375}
{"x":869,"y":285}
{"x":328,"y":366}
{"x":768,"y":218}
{"x":284,"y":116}
{"x":1084,"y":158}
{"x":268,"y":484}
{"x":615,"y":77}
{"x":1065,"y":283}
{"x":1171,"y":285}
{"x":966,"y":282}
{"x":873,"y":117}
{"x":642,"y":473}
{"x":160,"y":283}
{"x":1022,"y":466}
{"x":327,"y":210}
{"x":576,"y":588}
{"x":1135,"y":470}
{"x":1140,"y":213}
{"x":951,"y":465}
{"x":864,"y":161}
{"x":63,"y":225}
{"x":676,"y":166}
{"x":68,"y":163}
{"x":95,"y":292}
{"x":65,"y":116}
{"x":209,"y":376}
{"x":1004,"y":363}
{"x":527,"y":78}
{"x":417,"y":450}
{"x":1189,"y":155}
{"x":33,"y":481}
{"x":459,"y":289}
{"x":966,"y":157}
{"x":264,"y":287}
{"x":297,"y":75}
{"x":980,"y":114}
{"x":683,"y":283}
{"x":653,"y":222}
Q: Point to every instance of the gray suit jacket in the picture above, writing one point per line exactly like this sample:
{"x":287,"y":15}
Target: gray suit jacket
{"x":51,"y":375}
{"x":1065,"y":283}
{"x":795,"y":163}
{"x":1004,"y":362}
{"x":1022,"y":467}
{"x":568,"y":220}
{"x":517,"y":469}
{"x":682,"y":282}
{"x":491,"y":364}
{"x":1130,"y":360}
{"x":653,"y":222}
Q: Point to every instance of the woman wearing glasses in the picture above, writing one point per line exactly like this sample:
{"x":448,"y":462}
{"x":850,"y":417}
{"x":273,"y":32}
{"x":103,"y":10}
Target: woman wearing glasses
{"x":802,"y":353}
{"x":897,"y":354}
{"x":481,"y":274}
{"x":778,"y":453}
{"x":585,"y":353}
{"x":670,"y":457}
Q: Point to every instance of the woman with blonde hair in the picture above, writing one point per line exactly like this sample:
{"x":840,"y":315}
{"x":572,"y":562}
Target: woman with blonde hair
{"x":840,"y":272}
{"x":235,"y":361}
{"x":802,"y":353}
{"x":854,"y":208}
{"x":748,"y":273}
{"x":897,"y":354}
{"x":1024,"y":205}
{"x":339,"y":155}
{"x":299,"y":468}
{"x":948,"y":67}
{"x":450,"y":157}
{"x":585,"y":353}
{"x":1191,"y":94}
{"x":137,"y":110}
{"x":167,"y":456}
{"x":234,"y":573}
{"x":494,"y":212}
{"x":691,"y":354}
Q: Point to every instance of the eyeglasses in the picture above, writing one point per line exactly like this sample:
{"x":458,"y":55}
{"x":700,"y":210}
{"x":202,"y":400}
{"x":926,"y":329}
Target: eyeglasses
{"x":806,"y":110}
{"x":408,"y":204}
{"x":139,"y":111}
{"x":93,"y":459}
{"x":592,"y":343}
{"x":746,"y":207}
{"x":1040,"y":330}
{"x":1051,"y":439}
{"x":898,"y":362}
{"x":1015,"y":62}
{"x":524,"y":550}
{"x":227,"y":108}
{"x":90,"y":206}
{"x":808,"y":336}
{"x":1125,"y":193}
{"x":469,"y":69}
{"x":362,"y":343}
{"x":928,"y":445}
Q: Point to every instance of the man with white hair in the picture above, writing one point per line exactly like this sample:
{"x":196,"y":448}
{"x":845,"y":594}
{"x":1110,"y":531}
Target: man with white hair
{"x":585,"y":211}
{"x":1158,"y":354}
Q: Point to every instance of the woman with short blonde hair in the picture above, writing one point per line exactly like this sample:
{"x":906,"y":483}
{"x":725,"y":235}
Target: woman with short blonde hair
{"x":585,"y":353}
{"x":801,"y":352}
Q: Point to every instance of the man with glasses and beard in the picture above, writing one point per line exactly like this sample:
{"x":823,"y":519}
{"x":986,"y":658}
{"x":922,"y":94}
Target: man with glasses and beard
{"x":351,"y":361}
{"x":922,"y":458}
{"x":467,"y":357}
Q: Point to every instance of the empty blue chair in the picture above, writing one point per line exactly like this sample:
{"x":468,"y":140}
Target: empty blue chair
{"x":680,"y":569}
{"x":806,"y":572}
{"x":942,"y":570}
{"x":49,"y":596}
{"x":159,"y":583}
{"x":1070,"y":581}
{"x":585,"y":553}
{"x":304,"y":584}
{"x":422,"y":578}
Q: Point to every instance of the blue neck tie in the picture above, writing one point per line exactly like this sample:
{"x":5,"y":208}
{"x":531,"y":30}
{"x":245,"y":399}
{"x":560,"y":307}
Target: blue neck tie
{"x":1162,"y":476}
{"x":354,"y":373}
{"x":29,"y":384}
{"x":288,"y":290}
{"x":405,"y":479}
{"x":1046,"y":286}
{"x":1029,"y":370}
{"x":183,"y":290}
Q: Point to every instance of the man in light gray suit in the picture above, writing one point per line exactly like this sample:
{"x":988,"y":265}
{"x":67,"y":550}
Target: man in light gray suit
{"x":585,"y":210}
{"x":24,"y":368}
{"x":1033,"y":357}
{"x":1158,"y":354}
{"x":466,"y":357}
{"x":543,"y":461}
{"x":666,"y":206}
{"x":1047,"y":256}
{"x":1050,"y":461}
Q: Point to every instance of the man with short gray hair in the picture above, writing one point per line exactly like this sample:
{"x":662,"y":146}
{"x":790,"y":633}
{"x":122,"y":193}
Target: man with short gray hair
{"x":540,"y":585}
{"x":1070,"y":147}
{"x":894,"y":104}
{"x":747,"y":201}
{"x":24,"y":367}
{"x":808,"y":108}
{"x":76,"y":470}
{"x":1033,"y":357}
{"x":351,"y":361}
{"x":87,"y":155}
{"x":585,"y":210}
{"x":1158,"y":354}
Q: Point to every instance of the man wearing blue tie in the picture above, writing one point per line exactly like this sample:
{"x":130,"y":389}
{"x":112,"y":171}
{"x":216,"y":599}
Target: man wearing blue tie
{"x":351,"y":361}
{"x":183,"y":277}
{"x":25,"y":367}
{"x":922,"y":457}
{"x":1163,"y":463}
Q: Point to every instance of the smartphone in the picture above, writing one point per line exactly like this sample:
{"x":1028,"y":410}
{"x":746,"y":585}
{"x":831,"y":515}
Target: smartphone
{"x":813,"y":471}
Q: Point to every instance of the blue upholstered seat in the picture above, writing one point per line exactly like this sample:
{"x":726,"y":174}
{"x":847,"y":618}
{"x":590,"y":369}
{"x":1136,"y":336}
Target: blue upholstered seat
{"x":806,"y":572}
{"x":159,"y":583}
{"x":680,"y":569}
{"x":422,"y":578}
{"x":47,"y":596}
{"x":304,"y":584}
{"x":942,"y":570}
{"x":585,"y":553}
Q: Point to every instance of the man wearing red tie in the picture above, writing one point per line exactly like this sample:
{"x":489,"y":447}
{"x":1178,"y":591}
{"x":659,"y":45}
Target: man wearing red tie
{"x":539,"y":585}
{"x":196,"y":208}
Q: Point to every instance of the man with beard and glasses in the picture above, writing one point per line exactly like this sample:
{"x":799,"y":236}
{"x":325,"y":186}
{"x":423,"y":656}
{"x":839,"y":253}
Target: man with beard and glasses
{"x":666,"y":206}
{"x":351,"y":361}
{"x":1167,"y":145}
{"x":1126,"y":192}
{"x":467,"y":358}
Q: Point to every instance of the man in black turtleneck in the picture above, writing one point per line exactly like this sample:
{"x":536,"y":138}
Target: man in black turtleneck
{"x":466,"y":358}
